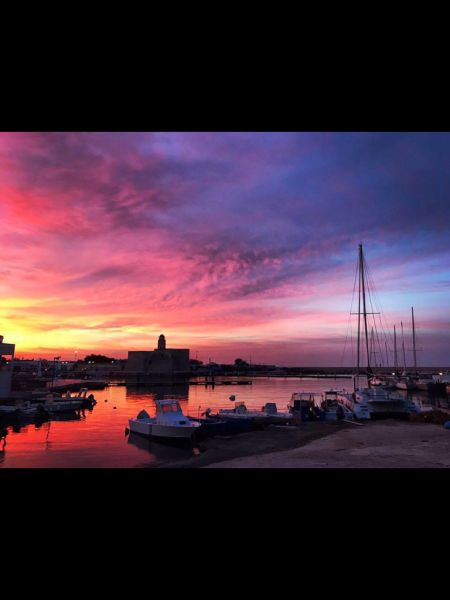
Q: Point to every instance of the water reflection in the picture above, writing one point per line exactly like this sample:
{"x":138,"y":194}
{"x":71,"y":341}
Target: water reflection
{"x":3,"y":434}
{"x":95,"y":436}
{"x":161,"y":450}
{"x":158,"y":391}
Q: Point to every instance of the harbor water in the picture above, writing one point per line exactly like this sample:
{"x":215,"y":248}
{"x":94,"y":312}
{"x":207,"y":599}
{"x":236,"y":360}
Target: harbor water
{"x":97,"y":437}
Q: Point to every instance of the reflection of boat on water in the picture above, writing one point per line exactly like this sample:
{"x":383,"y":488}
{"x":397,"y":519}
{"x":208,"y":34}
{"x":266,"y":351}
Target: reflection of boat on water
{"x":169,"y":422}
{"x":161,"y":449}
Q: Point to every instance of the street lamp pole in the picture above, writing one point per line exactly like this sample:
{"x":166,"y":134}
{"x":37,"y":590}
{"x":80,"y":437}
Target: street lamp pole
{"x":55,"y":358}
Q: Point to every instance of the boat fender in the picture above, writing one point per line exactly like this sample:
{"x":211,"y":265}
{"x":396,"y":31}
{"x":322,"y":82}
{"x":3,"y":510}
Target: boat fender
{"x":447,"y":425}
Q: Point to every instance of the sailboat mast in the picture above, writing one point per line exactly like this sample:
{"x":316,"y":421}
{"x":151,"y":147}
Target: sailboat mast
{"x":387,"y":355}
{"x":371,"y":342}
{"x":414,"y":339}
{"x":395,"y":351}
{"x":403,"y":348}
{"x":361,"y":262}
{"x":359,"y":310}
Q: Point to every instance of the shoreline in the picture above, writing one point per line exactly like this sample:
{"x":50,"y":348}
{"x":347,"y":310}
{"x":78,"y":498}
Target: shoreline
{"x":274,"y":438}
{"x":375,"y":444}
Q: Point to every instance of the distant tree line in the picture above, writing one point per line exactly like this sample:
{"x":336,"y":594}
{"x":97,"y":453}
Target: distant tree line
{"x":98,"y":359}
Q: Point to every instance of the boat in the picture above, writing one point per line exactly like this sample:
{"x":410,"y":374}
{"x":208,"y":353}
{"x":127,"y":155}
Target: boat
{"x":443,"y":380}
{"x":375,"y":403}
{"x":60,"y":406}
{"x":330,"y":405}
{"x":169,"y":423}
{"x":366,"y":401}
{"x":24,"y":409}
{"x":405,"y":382}
{"x":268,"y":415}
{"x":54,"y":402}
{"x":314,"y":406}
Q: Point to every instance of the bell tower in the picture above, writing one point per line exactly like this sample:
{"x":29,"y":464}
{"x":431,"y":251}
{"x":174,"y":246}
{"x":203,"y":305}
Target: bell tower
{"x":161,"y":342}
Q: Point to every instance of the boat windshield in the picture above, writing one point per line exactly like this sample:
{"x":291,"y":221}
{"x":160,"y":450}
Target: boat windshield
{"x":167,"y":408}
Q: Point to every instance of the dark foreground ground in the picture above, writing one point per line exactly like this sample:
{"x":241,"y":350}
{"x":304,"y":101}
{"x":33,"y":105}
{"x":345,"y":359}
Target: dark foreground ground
{"x":272,"y":439}
{"x":379,"y":444}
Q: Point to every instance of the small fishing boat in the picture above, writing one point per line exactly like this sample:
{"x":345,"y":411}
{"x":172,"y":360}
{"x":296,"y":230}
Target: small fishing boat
{"x":169,"y":423}
{"x":268,"y":415}
{"x":318,"y":406}
{"x":61,"y":406}
{"x":54,"y":402}
{"x":333,"y":408}
{"x":25,"y":409}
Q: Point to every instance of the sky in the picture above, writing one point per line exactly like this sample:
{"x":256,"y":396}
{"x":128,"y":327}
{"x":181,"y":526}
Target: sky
{"x":234,"y":245}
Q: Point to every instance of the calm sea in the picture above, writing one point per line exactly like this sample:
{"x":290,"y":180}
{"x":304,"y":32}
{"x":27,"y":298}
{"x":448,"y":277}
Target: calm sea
{"x":98,"y":439}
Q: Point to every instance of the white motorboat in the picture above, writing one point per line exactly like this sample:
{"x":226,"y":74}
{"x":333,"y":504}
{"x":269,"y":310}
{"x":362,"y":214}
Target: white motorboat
{"x":169,"y":423}
{"x":369,"y":403}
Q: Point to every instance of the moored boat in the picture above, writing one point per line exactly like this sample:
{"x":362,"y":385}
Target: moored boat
{"x":367,"y":401}
{"x":169,"y":423}
{"x":268,"y":415}
{"x":373,"y":403}
{"x":322,"y":406}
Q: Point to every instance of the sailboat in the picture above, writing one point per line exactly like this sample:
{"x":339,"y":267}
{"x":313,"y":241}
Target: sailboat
{"x":405,"y":381}
{"x":366,"y":401}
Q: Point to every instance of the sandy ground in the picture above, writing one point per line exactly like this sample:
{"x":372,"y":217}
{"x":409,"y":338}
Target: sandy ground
{"x":273,"y":439}
{"x":382,"y":444}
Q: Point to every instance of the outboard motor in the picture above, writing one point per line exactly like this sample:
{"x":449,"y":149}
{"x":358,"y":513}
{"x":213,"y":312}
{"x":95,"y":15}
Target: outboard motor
{"x":143,"y":415}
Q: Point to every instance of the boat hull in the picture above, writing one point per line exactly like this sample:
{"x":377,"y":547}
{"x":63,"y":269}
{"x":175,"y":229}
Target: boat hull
{"x":150,"y":428}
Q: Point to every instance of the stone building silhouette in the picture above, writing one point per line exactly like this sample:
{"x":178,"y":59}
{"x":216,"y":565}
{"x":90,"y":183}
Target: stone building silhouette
{"x":160,"y":361}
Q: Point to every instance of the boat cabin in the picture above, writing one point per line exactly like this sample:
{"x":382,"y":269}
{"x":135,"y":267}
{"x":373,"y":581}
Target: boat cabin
{"x":240,"y":408}
{"x":305,"y":400}
{"x":169,"y":412}
{"x":330,"y":399}
{"x":305,"y":406}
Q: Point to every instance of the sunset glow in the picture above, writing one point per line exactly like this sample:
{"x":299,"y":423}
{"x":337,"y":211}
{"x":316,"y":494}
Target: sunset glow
{"x":231,"y":244}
